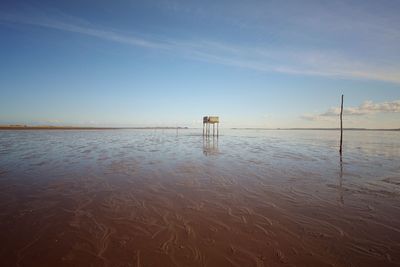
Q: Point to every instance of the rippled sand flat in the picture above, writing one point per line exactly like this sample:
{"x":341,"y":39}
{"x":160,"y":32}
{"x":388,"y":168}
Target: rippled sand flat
{"x":162,"y":198}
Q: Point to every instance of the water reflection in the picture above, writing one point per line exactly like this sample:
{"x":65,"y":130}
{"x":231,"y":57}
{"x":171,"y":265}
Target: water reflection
{"x":210,"y":145}
{"x":340,"y":187}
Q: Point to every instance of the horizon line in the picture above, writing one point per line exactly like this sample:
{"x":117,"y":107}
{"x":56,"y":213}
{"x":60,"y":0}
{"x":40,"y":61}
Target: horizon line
{"x":69,"y":127}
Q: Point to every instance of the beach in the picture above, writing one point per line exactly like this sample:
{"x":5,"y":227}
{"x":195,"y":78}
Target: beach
{"x":161,"y":197}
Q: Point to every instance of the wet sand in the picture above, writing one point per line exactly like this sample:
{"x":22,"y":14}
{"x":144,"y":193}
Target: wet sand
{"x":134,"y":198}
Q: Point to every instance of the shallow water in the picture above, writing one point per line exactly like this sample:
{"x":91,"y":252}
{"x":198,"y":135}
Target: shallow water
{"x":167,"y":198}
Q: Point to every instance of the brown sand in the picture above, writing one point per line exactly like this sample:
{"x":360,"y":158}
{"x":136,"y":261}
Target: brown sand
{"x":189,"y":220}
{"x":84,"y":199}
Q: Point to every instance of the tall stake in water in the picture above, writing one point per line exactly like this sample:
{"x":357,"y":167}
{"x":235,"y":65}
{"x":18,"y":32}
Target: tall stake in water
{"x":341,"y":127}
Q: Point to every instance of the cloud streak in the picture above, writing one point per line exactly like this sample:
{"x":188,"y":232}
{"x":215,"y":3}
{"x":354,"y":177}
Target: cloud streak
{"x":265,"y":59}
{"x":85,"y":29}
{"x":366,"y":108}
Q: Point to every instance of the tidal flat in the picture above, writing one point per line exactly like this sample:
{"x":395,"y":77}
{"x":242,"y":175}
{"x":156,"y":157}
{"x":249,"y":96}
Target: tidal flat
{"x":162,"y":197}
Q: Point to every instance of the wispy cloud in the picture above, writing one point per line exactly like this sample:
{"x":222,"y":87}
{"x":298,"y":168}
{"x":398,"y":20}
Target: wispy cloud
{"x":82,"y":27}
{"x":260,"y":58}
{"x":366,"y":108}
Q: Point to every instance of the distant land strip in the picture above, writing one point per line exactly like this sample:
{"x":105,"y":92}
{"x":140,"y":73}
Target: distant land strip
{"x":318,"y":129}
{"x":47,"y":127}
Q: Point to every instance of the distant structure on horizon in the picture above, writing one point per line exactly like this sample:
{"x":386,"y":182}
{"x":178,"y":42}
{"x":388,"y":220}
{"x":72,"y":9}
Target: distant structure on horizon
{"x":207,"y":121}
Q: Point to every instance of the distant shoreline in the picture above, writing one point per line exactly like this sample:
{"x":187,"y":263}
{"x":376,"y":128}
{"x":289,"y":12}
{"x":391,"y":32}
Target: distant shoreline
{"x":25,"y":127}
{"x":47,"y":127}
{"x":316,"y":129}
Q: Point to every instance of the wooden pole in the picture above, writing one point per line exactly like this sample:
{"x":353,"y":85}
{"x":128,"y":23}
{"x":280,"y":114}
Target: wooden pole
{"x":341,"y":127}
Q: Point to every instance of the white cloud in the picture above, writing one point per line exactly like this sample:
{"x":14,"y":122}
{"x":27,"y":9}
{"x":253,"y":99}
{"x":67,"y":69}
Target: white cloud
{"x":366,"y":108}
{"x":82,"y":27}
{"x":313,"y":117}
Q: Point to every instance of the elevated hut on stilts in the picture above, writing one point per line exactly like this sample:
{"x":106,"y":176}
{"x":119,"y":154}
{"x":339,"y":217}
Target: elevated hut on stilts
{"x":207,"y":122}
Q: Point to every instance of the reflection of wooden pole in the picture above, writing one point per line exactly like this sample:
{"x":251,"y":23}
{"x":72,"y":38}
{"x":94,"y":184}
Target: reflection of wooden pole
{"x":341,"y":127}
{"x":217,"y":129}
{"x":340,"y":188}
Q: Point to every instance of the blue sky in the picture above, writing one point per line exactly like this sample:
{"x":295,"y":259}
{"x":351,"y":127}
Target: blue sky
{"x":158,"y":63}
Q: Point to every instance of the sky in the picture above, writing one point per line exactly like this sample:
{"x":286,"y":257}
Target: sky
{"x":271,"y":64}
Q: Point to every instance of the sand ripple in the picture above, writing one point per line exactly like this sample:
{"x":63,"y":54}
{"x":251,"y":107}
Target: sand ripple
{"x":142,"y":201}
